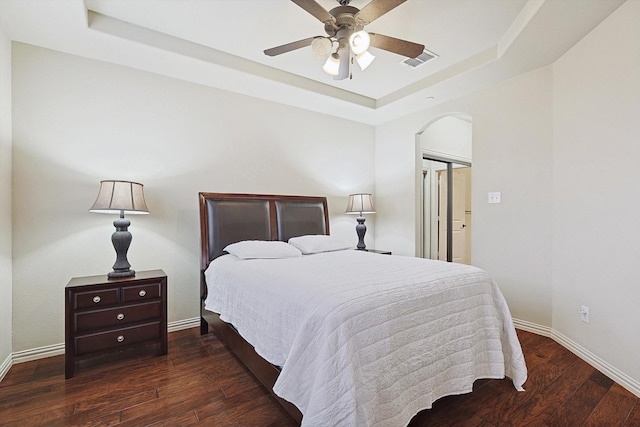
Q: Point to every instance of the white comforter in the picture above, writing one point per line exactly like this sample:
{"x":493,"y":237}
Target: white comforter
{"x":366,"y":339}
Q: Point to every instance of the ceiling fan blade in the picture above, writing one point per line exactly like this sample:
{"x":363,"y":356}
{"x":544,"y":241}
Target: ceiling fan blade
{"x":375,"y":9}
{"x":288,"y":47}
{"x":391,"y":44}
{"x":316,"y":10}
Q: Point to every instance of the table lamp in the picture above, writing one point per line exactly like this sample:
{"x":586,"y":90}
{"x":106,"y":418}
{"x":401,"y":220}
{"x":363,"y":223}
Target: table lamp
{"x":361,"y":203}
{"x":120,"y":197}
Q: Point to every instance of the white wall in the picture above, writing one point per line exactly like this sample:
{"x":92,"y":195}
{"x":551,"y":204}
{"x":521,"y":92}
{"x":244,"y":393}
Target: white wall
{"x":562,"y":145}
{"x":596,"y":191}
{"x":512,"y":137}
{"x":5,"y":203}
{"x":511,"y":154}
{"x":449,"y":137}
{"x":77,"y":121}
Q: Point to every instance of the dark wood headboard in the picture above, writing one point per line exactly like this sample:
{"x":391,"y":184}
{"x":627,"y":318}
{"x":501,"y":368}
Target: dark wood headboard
{"x":229,"y":218}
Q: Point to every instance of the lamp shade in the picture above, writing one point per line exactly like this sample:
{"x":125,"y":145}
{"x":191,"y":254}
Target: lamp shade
{"x":361,"y":203}
{"x":120,"y":197}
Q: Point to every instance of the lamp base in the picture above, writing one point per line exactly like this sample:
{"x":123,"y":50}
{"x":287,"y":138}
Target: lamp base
{"x":121,"y":240}
{"x":361,"y":229}
{"x":126,"y":273}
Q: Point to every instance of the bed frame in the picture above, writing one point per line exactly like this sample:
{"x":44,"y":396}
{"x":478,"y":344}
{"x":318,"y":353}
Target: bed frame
{"x":230,"y":218}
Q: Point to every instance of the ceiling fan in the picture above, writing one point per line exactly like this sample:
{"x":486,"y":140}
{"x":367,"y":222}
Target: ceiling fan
{"x":344,"y":26}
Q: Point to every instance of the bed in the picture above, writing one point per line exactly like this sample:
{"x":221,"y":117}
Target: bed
{"x":347,"y":337}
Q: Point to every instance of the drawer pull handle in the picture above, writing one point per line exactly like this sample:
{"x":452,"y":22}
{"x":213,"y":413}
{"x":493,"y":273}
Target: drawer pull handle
{"x":142,"y":293}
{"x":96,"y":299}
{"x":120,"y":316}
{"x":120,"y":338}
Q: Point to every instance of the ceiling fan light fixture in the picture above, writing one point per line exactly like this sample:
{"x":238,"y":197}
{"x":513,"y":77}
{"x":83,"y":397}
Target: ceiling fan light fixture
{"x":344,"y":26}
{"x":359,"y":42}
{"x":320,"y":47}
{"x":365,"y":59}
{"x":332,"y":66}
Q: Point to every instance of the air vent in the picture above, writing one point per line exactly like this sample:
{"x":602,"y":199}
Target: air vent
{"x":424,"y":57}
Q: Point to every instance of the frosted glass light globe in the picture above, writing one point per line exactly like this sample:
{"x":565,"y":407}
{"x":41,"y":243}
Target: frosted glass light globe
{"x":332,"y":66}
{"x":364,"y":59}
{"x":359,"y":42}
{"x":320,"y":47}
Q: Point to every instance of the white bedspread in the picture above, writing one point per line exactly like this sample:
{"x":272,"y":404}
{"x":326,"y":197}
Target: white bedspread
{"x":366,"y":339}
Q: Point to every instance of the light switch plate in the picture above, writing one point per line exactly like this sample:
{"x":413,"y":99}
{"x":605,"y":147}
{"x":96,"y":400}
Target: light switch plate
{"x":494,"y":197}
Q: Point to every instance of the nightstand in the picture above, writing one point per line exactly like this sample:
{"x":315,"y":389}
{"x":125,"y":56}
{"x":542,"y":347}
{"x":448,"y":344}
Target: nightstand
{"x":377,"y":251}
{"x":105,"y":315}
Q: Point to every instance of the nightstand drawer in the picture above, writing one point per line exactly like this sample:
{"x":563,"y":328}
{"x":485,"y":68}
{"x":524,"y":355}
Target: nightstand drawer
{"x":97,"y":298}
{"x":98,"y":319}
{"x":140,"y":293}
{"x":105,"y":314}
{"x":119,"y":338}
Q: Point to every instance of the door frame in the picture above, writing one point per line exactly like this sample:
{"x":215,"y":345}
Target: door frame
{"x":449,"y":161}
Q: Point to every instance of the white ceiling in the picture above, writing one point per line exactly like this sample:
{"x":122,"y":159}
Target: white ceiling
{"x":220,"y":43}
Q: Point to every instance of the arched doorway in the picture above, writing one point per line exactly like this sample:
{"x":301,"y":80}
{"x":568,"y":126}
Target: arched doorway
{"x":446,"y":215}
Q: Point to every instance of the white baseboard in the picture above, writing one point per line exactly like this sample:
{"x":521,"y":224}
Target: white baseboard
{"x":6,"y":365}
{"x":179,"y":325}
{"x":615,"y":374}
{"x":534,"y":328}
{"x":58,"y":349}
{"x":612,"y":372}
{"x":38,"y":353}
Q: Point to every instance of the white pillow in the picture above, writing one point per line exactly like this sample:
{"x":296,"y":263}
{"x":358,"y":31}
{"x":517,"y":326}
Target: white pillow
{"x":252,"y":249}
{"x":315,"y":243}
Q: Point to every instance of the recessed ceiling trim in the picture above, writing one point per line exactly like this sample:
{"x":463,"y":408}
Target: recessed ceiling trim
{"x":529,"y":10}
{"x":483,"y":58}
{"x":118,"y":28}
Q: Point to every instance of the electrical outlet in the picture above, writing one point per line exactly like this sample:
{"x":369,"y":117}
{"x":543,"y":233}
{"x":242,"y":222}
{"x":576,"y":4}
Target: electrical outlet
{"x":584,"y":314}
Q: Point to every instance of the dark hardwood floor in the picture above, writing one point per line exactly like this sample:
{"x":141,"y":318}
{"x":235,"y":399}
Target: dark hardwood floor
{"x":200,"y":382}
